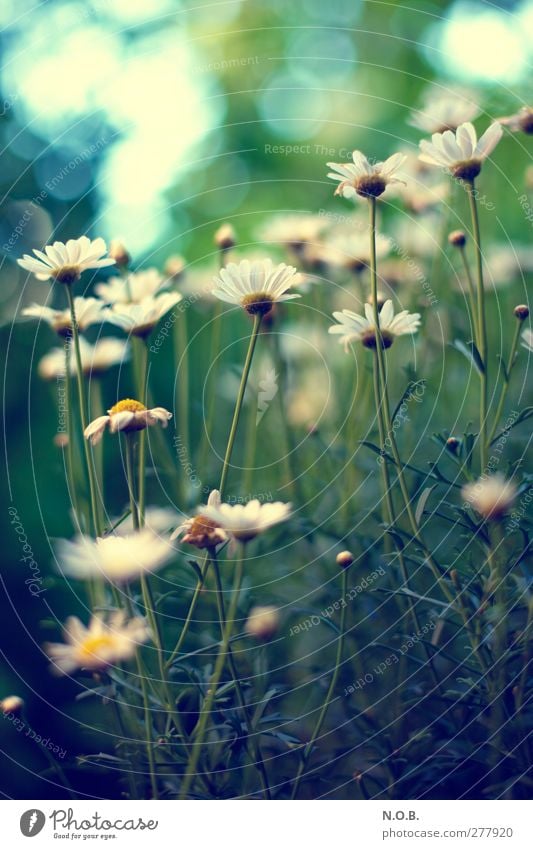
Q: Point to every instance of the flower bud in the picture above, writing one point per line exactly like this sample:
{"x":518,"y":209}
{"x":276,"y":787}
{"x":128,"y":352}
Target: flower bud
{"x":345,"y":559}
{"x":12,"y":704}
{"x":175,"y":266}
{"x":452,"y":444}
{"x":263,"y":622}
{"x":61,"y":440}
{"x":457,"y":238}
{"x":225,"y":237}
{"x":118,"y":252}
{"x":521,"y":312}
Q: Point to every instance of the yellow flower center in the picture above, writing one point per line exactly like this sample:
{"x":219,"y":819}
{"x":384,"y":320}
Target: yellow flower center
{"x":128,"y":405}
{"x":257,"y":302}
{"x":66,"y":274}
{"x":93,"y":646}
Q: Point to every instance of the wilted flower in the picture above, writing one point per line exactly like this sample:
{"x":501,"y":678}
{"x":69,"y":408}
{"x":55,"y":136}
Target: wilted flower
{"x":200,"y":530}
{"x":131,"y":289}
{"x":246,"y":521}
{"x":115,"y":557}
{"x":490,"y":496}
{"x":66,"y":262}
{"x":256,"y":285}
{"x":364,"y":178}
{"x":357,"y":328}
{"x":88,"y":311}
{"x":444,"y":110}
{"x":262,"y":622}
{"x":461,"y":153}
{"x":521,"y":120}
{"x":100,"y":645}
{"x":140,"y":319}
{"x":127,"y":415}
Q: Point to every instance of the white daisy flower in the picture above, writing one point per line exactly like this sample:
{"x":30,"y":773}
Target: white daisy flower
{"x":292,"y":230}
{"x":246,"y":521}
{"x":521,"y":120}
{"x":102,"y":644}
{"x":199,"y":530}
{"x":66,"y":262}
{"x":95,"y":359}
{"x":461,"y":153}
{"x":159,"y":519}
{"x":140,"y":319}
{"x":357,"y":328}
{"x":364,"y":178}
{"x":491,"y":496}
{"x":133,"y":288}
{"x":127,"y":415}
{"x":115,"y":557}
{"x":444,"y":110}
{"x":527,"y":339}
{"x":351,"y":250}
{"x":256,"y":285}
{"x":262,"y":622}
{"x":88,"y":311}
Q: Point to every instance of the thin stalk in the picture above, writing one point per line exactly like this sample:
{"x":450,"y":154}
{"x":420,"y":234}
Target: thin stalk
{"x":130,"y":478}
{"x":96,"y":408}
{"x":482,"y":329}
{"x":190,"y":614}
{"x":216,"y":335}
{"x":70,"y":434}
{"x":222,"y":656}
{"x":82,"y":400}
{"x":507,"y":380}
{"x":239,"y":401}
{"x":181,"y":370}
{"x":142,"y":391}
{"x":471,"y":294}
{"x":255,"y":746}
{"x":329,"y":695}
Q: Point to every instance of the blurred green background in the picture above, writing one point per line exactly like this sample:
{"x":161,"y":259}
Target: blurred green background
{"x":155,"y":122}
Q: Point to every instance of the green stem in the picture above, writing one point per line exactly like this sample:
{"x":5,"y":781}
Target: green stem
{"x":82,"y":400}
{"x":482,"y":328}
{"x":130,"y":478}
{"x":70,"y":434}
{"x":181,"y":371}
{"x":222,"y":656}
{"x":255,"y":746}
{"x":142,"y":392}
{"x":329,"y":695}
{"x":190,"y":614}
{"x":505,"y":387}
{"x":471,"y":295}
{"x":239,"y":402}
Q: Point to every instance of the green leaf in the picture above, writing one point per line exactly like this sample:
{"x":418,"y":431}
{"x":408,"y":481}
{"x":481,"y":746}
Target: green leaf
{"x":524,"y":414}
{"x":470,"y":351}
{"x":422,"y":501}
